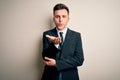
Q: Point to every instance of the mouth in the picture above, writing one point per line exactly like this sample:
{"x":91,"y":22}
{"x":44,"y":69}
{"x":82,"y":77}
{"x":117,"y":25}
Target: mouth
{"x":60,"y":24}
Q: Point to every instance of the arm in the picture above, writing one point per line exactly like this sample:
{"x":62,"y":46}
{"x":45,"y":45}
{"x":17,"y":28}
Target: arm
{"x":49,"y":50}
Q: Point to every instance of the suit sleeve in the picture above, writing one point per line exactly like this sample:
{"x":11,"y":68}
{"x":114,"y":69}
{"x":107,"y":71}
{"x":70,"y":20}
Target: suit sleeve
{"x":72,"y":61}
{"x":49,"y":49}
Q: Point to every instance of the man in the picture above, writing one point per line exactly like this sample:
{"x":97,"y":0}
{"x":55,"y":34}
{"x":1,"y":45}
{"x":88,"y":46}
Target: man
{"x":62,"y":53}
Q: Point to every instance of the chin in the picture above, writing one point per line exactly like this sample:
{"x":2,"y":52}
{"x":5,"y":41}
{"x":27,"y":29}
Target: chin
{"x":60,"y":28}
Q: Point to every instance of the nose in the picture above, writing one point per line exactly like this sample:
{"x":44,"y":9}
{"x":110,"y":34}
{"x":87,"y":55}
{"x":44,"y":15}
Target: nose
{"x":60,"y":19}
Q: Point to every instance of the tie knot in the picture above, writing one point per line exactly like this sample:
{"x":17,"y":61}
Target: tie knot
{"x":61,"y":34}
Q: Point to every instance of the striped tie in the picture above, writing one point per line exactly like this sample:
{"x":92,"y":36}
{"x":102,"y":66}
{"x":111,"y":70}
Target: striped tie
{"x":61,"y":35}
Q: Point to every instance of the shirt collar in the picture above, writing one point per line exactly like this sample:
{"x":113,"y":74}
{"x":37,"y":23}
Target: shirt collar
{"x":64,"y":30}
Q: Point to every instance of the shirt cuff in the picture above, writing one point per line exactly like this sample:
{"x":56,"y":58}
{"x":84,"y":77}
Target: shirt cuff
{"x":56,"y":45}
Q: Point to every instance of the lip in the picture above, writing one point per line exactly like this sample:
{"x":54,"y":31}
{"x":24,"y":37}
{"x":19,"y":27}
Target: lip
{"x":60,"y":24}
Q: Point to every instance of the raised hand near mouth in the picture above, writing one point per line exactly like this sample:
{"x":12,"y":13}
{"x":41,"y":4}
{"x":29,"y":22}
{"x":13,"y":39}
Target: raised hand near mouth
{"x":55,"y":40}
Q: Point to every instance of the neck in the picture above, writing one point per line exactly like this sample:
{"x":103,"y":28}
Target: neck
{"x":61,"y":29}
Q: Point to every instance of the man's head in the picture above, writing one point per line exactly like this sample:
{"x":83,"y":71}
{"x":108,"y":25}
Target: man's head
{"x":61,"y":16}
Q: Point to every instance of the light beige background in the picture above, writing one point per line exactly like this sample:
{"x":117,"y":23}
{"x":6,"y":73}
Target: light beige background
{"x":22,"y":23}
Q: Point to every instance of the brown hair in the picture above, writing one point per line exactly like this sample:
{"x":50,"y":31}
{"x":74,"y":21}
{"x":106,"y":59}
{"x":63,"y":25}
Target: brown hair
{"x":59,"y":7}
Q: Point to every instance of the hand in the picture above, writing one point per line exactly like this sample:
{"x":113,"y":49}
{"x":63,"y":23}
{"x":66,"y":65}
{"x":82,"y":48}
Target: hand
{"x":50,"y":61}
{"x":55,"y":40}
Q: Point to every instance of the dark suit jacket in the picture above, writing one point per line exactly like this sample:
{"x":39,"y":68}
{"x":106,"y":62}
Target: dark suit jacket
{"x":71,"y":56}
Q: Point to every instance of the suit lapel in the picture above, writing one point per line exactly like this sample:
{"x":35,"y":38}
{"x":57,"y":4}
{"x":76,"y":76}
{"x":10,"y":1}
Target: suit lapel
{"x":67,"y":38}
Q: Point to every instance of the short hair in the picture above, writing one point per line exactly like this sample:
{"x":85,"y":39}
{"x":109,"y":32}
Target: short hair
{"x":60,"y":6}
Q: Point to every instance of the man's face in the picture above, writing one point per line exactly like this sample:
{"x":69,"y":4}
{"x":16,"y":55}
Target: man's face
{"x":61,"y":18}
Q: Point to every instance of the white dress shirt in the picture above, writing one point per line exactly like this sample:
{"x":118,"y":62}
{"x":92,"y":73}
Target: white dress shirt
{"x":64,"y":34}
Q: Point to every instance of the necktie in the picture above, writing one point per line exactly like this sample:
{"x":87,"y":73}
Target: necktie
{"x":60,"y":47}
{"x":61,"y":35}
{"x":58,"y":55}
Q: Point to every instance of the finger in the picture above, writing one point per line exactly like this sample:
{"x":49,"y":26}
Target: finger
{"x":46,"y":62}
{"x":48,"y":59}
{"x":57,"y":40}
{"x":47,"y":36}
{"x":50,"y":37}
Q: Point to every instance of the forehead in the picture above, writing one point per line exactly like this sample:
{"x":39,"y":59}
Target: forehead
{"x":61,"y":12}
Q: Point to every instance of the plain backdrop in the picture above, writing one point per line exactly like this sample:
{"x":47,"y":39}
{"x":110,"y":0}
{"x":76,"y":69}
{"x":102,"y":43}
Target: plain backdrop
{"x":22,"y":23}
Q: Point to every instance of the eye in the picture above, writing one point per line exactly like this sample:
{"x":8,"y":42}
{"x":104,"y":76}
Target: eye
{"x":64,"y":16}
{"x":57,"y":16}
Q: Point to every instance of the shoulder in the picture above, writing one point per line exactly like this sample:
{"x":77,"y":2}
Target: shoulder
{"x":74,"y":32}
{"x":76,"y":35}
{"x":50,"y":30}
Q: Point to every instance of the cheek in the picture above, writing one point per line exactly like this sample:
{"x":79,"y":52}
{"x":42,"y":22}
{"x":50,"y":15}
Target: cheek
{"x":56,"y":20}
{"x":66,"y":21}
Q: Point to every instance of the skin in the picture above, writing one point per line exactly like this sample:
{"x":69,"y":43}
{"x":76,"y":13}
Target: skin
{"x":61,"y":19}
{"x":55,"y":40}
